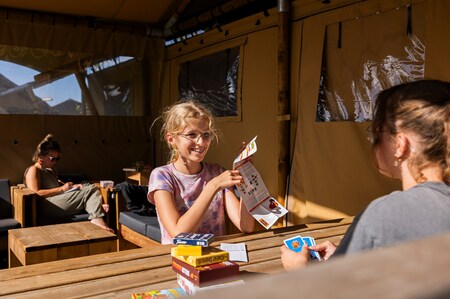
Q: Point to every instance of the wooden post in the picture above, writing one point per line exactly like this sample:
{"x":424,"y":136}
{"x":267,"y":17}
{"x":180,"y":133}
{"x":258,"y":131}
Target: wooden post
{"x":86,"y":94}
{"x":283,"y":113}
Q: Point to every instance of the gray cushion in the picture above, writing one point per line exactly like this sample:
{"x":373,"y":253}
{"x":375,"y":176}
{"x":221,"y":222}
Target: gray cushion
{"x":5,"y":199}
{"x":8,"y":223}
{"x":145,"y":225}
{"x":75,"y":218}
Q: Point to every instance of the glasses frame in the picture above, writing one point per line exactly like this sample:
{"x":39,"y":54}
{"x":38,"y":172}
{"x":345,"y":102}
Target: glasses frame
{"x":206,"y":136}
{"x":54,"y":159}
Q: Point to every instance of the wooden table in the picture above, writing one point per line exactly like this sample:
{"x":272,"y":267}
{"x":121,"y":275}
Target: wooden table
{"x":32,"y":245}
{"x":118,"y":274}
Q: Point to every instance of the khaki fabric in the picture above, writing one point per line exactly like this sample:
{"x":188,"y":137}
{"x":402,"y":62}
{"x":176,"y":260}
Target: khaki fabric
{"x":333,"y":172}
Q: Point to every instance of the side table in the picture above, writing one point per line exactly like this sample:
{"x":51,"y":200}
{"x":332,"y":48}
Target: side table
{"x":32,"y":245}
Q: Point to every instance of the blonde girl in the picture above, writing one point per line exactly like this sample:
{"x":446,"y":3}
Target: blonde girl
{"x":191,"y":195}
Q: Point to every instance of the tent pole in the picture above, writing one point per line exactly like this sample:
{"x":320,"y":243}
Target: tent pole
{"x":283,"y":113}
{"x":86,"y":93}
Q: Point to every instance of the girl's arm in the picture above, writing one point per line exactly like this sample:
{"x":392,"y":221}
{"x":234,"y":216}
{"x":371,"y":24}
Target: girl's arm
{"x":189,"y":222}
{"x":238,"y":214}
{"x":33,"y":182}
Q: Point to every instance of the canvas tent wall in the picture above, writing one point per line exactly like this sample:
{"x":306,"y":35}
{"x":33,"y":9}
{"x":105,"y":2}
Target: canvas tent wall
{"x":98,"y":146}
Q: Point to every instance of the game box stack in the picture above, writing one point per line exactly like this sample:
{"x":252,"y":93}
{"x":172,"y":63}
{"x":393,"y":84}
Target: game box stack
{"x":200,"y":266}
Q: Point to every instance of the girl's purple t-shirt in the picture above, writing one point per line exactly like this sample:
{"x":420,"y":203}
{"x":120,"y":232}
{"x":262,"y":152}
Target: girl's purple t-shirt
{"x":185,"y":190}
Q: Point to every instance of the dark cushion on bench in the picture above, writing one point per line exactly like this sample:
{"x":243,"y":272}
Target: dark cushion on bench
{"x":8,"y":223}
{"x":5,"y":199}
{"x":74,"y":218}
{"x":6,"y":219}
{"x":145,"y":225}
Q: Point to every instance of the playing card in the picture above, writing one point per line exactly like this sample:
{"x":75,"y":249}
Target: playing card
{"x":311,"y":242}
{"x":294,"y":243}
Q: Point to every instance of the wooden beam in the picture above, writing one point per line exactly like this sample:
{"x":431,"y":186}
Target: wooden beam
{"x":86,"y":94}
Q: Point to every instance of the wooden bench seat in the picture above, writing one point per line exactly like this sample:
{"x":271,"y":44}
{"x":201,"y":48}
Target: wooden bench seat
{"x":139,"y":230}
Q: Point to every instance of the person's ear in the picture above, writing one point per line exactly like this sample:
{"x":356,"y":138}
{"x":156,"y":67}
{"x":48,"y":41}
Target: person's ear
{"x":170,"y":139}
{"x":401,"y":145}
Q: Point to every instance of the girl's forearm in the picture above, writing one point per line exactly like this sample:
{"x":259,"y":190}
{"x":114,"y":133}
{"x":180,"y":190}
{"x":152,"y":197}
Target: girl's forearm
{"x":247,"y":222}
{"x":190,"y":221}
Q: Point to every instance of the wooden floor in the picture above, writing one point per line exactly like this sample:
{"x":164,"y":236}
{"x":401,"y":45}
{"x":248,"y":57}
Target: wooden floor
{"x":118,"y":274}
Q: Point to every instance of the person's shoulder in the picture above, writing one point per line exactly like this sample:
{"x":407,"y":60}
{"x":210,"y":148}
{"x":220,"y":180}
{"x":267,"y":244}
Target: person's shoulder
{"x":430,"y":187}
{"x":31,"y":170}
{"x":381,"y":205}
{"x":164,"y":170}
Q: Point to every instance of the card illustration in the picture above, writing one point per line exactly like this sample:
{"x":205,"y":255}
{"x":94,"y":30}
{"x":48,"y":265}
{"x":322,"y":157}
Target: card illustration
{"x":294,"y":243}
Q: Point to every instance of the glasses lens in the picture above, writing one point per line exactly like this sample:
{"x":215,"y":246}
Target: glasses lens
{"x":54,"y":159}
{"x":206,"y":136}
{"x":196,"y":136}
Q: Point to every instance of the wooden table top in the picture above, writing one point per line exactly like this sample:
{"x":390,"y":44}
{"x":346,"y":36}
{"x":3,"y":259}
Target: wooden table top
{"x":118,"y":274}
{"x":41,"y":237}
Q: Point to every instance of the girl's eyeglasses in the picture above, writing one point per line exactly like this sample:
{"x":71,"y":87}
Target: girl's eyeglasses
{"x":54,"y":159}
{"x":195,"y":136}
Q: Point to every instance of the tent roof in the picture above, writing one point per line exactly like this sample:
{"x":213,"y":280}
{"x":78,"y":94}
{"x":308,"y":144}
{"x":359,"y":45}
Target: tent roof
{"x":174,"y":17}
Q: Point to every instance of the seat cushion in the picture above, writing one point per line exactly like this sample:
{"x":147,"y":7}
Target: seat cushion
{"x":5,"y":199}
{"x":8,"y":223}
{"x":145,"y":225}
{"x":74,"y":218}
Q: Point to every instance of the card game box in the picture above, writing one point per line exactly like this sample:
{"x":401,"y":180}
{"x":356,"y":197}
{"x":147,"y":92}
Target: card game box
{"x":192,"y":289}
{"x":208,"y":274}
{"x":193,"y":239}
{"x":189,"y":250}
{"x":167,"y":294}
{"x":213,"y":256}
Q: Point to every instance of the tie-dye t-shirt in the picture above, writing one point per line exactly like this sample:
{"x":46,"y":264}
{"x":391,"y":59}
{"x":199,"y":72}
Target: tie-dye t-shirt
{"x":185,"y":190}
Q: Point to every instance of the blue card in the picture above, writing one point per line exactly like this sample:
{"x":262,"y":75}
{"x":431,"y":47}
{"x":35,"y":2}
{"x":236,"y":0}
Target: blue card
{"x":311,"y":242}
{"x":294,"y":243}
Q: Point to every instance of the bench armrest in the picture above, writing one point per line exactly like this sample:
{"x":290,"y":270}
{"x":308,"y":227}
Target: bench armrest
{"x":24,"y":202}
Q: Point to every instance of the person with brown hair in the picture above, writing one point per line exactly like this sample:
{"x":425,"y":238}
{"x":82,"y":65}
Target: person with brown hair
{"x":410,"y":136}
{"x":62,"y":200}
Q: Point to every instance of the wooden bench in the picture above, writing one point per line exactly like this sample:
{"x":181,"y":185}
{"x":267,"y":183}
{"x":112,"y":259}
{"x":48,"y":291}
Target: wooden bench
{"x":133,"y":229}
{"x":25,"y":203}
{"x":47,"y":243}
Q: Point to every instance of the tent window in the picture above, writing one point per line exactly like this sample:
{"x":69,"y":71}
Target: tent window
{"x":356,"y":66}
{"x":52,"y":82}
{"x":213,"y":81}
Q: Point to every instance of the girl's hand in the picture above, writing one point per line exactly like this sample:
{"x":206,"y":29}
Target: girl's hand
{"x":226,"y":179}
{"x":294,"y":260}
{"x":325,"y":249}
